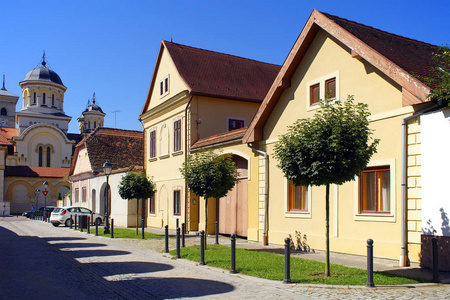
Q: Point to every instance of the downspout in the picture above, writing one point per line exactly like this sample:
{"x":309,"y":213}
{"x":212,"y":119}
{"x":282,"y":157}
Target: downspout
{"x":266,"y":196}
{"x":185,"y":160}
{"x":404,"y":260}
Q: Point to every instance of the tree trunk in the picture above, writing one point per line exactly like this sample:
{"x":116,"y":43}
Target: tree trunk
{"x":327,"y":230}
{"x":137,"y":216}
{"x":206,"y":220}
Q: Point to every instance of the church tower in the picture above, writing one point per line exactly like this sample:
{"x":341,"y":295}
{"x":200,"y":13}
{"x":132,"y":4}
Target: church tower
{"x":91,"y":118}
{"x":8,"y":103}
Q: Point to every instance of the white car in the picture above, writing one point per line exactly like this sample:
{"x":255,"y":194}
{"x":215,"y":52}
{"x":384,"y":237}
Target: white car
{"x":62,"y":215}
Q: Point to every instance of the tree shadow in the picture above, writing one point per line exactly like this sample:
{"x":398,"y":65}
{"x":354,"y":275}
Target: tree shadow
{"x":129,"y":267}
{"x":445,"y":225}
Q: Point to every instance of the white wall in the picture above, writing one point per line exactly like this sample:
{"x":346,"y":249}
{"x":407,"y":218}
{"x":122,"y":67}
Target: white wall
{"x":435,"y":127}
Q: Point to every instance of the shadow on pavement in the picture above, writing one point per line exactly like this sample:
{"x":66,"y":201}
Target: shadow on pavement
{"x":129,"y":267}
{"x":77,"y":245}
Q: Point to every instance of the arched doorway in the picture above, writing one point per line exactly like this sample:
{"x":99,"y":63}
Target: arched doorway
{"x":103,"y":197}
{"x":232,"y":210}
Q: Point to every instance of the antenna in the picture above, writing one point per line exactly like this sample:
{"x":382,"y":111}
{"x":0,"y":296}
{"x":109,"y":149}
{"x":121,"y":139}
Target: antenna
{"x":115,"y":115}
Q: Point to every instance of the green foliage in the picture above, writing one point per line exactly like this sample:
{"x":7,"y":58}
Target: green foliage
{"x":331,"y":147}
{"x":208,"y":174}
{"x":440,"y":75}
{"x":136,"y":186}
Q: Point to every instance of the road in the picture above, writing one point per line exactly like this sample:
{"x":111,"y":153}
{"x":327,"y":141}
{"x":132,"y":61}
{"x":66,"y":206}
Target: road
{"x":39,"y":261}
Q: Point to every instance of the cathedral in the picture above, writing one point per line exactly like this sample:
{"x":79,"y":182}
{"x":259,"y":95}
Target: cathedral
{"x":35,"y":158}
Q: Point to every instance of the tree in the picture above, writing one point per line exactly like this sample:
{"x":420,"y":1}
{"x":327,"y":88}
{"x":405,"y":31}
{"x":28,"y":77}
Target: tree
{"x":440,"y":75}
{"x":136,"y":186}
{"x":209,"y":175}
{"x":330,"y":148}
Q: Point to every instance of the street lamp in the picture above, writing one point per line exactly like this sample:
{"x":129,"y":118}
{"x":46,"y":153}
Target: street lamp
{"x":36,"y":192}
{"x":45,"y":185}
{"x":107,"y":168}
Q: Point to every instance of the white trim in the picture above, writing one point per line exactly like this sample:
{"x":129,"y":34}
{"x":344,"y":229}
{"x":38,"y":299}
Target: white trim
{"x":321,"y":81}
{"x":166,"y":89}
{"x":380,"y":217}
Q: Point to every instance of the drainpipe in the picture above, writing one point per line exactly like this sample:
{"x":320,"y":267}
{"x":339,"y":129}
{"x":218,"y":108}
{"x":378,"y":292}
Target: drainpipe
{"x":185,"y":160}
{"x":266,"y":195}
{"x":404,"y":260}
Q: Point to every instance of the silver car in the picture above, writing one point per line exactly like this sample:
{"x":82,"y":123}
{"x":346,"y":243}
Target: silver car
{"x":62,"y":215}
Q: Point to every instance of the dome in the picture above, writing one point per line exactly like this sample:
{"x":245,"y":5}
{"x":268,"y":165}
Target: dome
{"x":44,"y":74}
{"x":94,"y":107}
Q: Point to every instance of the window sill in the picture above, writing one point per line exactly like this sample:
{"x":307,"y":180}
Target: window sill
{"x":152,"y":159}
{"x":177,"y":153}
{"x":377,"y":217}
{"x":164,"y":156}
{"x":298,"y":214}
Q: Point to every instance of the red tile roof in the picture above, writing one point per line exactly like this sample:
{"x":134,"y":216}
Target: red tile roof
{"x":234,"y":135}
{"x":122,"y":148}
{"x":6,"y":135}
{"x":26,"y":171}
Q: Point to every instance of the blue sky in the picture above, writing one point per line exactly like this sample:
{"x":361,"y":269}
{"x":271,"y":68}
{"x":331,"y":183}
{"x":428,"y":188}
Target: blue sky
{"x":110,"y":47}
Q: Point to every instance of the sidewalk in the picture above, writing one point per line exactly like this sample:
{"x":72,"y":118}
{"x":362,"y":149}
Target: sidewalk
{"x":356,"y":261}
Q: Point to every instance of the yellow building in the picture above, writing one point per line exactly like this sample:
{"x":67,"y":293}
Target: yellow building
{"x":194,"y":94}
{"x":337,"y":57}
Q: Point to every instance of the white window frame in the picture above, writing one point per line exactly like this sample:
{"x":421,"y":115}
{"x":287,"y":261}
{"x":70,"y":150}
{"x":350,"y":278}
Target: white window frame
{"x":165,"y":84}
{"x":153,"y":129}
{"x":379,"y":217}
{"x":321,"y":81}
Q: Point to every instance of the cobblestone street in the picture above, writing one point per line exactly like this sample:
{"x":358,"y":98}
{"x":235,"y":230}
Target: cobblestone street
{"x":39,"y":261}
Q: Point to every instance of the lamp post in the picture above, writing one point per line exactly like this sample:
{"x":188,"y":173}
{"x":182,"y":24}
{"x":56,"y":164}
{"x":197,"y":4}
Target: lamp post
{"x":36,"y":192}
{"x":45,"y":185}
{"x":107,"y":168}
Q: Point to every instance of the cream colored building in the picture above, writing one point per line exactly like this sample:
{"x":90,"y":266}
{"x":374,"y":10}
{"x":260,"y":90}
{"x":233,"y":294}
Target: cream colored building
{"x":338,"y":57}
{"x":194,"y":94}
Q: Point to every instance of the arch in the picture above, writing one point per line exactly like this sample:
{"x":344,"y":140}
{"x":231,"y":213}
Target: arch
{"x":40,"y":156}
{"x":103,"y":199}
{"x":162,"y":205}
{"x":48,"y":151}
{"x":3,"y":111}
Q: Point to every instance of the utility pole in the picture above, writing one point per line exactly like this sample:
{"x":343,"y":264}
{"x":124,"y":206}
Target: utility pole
{"x":115,"y":115}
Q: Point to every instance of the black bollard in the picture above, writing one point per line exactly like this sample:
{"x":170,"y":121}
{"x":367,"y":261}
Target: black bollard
{"x":76,"y":217}
{"x":182,"y":235}
{"x":89,"y":225}
{"x":92,"y":218}
{"x":370,"y":264}
{"x":217,"y":232}
{"x":143,"y":237}
{"x":71,"y":222}
{"x":233,"y":254}
{"x":287,"y":260}
{"x":96,"y":229}
{"x":202,"y":248}
{"x":81,"y":222}
{"x":112,"y":228}
{"x":178,"y":222}
{"x":435,"y":259}
{"x":178,"y":242}
{"x":166,"y":239}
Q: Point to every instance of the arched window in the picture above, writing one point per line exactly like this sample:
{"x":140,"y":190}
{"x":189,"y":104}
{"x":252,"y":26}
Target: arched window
{"x":89,"y":125}
{"x":41,"y":155}
{"x":53,"y":99}
{"x":34,"y":98}
{"x":3,"y":111}
{"x":49,"y":156}
{"x":43,"y":98}
{"x":95,"y":124}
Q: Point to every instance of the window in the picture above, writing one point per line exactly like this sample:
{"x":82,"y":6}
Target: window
{"x":95,"y":124}
{"x":375,"y":190}
{"x":152,"y":143}
{"x":297,"y":197}
{"x":53,"y":99}
{"x":34,"y":98}
{"x":3,"y":111}
{"x":235,"y":124}
{"x":177,"y":202}
{"x":314,"y":94}
{"x":152,"y":204}
{"x":177,"y":136}
{"x":77,"y":195}
{"x":49,"y":153}
{"x":83,"y":194}
{"x":164,"y":86}
{"x":330,"y":88}
{"x":41,"y":156}
{"x":43,"y":98}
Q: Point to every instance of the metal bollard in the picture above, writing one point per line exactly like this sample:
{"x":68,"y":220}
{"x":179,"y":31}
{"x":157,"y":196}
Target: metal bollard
{"x":76,"y":217}
{"x":166,"y":239}
{"x":178,"y":242}
{"x":71,"y":222}
{"x":182,"y":235}
{"x":233,"y":254}
{"x":217,"y":232}
{"x":96,"y":229}
{"x":370,"y":264}
{"x":143,"y":236}
{"x":89,"y":225}
{"x":287,"y":260}
{"x":112,"y":228}
{"x":81,"y":222}
{"x":435,"y":259}
{"x":178,"y":221}
{"x":202,"y":248}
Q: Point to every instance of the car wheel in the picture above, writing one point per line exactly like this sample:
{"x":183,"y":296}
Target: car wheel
{"x":98,"y":221}
{"x":68,"y":222}
{"x":55,"y":224}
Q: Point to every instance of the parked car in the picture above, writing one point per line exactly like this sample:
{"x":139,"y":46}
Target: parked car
{"x":62,"y":215}
{"x":39,"y":211}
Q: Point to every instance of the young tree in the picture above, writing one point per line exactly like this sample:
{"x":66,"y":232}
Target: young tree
{"x":209,"y":175}
{"x":330,"y":148}
{"x":440,"y":75}
{"x":136,"y":186}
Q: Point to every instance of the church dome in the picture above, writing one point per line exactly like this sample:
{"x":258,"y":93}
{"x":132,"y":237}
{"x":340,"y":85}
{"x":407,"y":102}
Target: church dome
{"x":43,"y":74}
{"x":93,"y":107}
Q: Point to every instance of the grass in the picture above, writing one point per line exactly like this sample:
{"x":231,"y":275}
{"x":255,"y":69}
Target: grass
{"x":125,"y":233}
{"x":271,"y":266}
